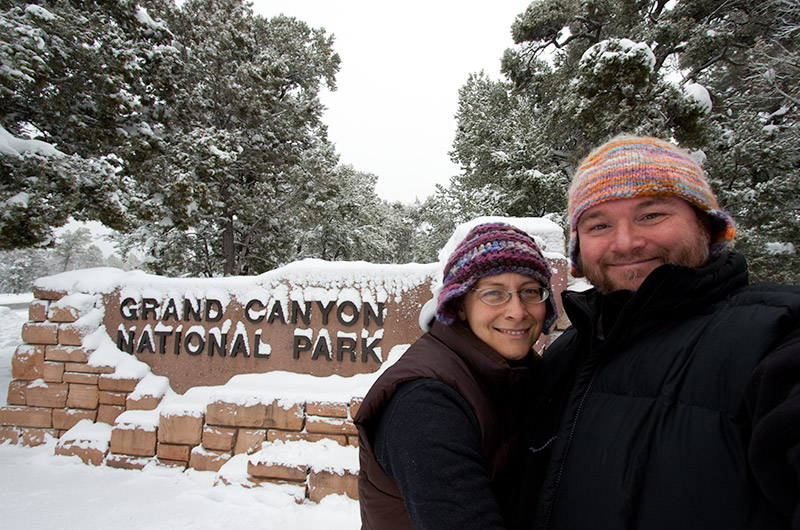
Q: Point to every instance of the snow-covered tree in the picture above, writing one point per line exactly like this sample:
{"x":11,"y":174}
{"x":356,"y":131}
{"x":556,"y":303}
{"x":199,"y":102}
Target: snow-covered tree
{"x":718,"y":77}
{"x":505,"y":167}
{"x":196,"y":131}
{"x":349,"y":221}
{"x":74,"y":91}
{"x":228,"y":189}
{"x":74,"y":250}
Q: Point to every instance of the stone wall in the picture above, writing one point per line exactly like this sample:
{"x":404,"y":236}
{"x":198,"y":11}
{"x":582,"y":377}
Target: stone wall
{"x":55,"y":387}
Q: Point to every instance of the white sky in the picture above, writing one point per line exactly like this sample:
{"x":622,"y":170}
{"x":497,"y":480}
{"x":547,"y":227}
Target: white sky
{"x":393,"y":113}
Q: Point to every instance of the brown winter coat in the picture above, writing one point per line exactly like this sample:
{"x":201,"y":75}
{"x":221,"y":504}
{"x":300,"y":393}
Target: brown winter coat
{"x":454,"y":356}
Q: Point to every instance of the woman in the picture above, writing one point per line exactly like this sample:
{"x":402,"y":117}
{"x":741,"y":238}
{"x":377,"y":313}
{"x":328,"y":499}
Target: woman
{"x":437,"y":429}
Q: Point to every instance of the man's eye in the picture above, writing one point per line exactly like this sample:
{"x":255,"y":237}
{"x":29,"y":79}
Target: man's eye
{"x":652,"y":215}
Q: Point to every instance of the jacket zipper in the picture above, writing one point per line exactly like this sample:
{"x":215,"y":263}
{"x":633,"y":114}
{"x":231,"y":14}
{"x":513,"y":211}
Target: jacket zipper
{"x":579,"y":410}
{"x":569,"y":444}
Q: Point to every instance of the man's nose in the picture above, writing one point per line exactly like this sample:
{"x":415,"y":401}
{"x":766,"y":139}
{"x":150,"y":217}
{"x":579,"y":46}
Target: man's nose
{"x":626,"y":237}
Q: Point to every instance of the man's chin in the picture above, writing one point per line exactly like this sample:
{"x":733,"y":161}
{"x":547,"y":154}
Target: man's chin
{"x":628,"y":280}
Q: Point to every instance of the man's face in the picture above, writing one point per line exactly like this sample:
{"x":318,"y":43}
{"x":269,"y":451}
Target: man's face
{"x":622,"y":241}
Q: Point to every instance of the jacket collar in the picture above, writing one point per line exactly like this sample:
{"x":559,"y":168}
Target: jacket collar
{"x":486,"y":363}
{"x":668,"y":290}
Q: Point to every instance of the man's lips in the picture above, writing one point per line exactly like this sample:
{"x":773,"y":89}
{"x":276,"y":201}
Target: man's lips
{"x":631,"y":263}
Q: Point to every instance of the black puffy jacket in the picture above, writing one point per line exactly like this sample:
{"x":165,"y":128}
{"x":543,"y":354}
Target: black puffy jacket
{"x":664,"y":421}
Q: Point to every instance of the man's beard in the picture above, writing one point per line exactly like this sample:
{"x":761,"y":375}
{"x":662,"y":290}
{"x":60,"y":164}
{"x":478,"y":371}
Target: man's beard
{"x":694,"y":253}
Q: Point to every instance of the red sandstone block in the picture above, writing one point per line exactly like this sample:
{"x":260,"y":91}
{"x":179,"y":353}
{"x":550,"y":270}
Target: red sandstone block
{"x":34,"y":436}
{"x":89,"y":454}
{"x":142,"y":403}
{"x":53,"y":372}
{"x":219,"y":438}
{"x":83,"y":396}
{"x":9,"y":434}
{"x":37,"y":311}
{"x":127,"y":461}
{"x":322,"y":483}
{"x":108,"y":413}
{"x":48,"y":294}
{"x":257,"y":416}
{"x":234,"y":415}
{"x":40,"y":333}
{"x":249,"y":440}
{"x":81,"y":379}
{"x":289,"y":419}
{"x":277,"y":471}
{"x":84,"y":368}
{"x":116,"y":384}
{"x":206,"y":460}
{"x":330,"y":425}
{"x":174,"y":453}
{"x":290,"y":436}
{"x":332,"y":410}
{"x":355,"y":404}
{"x":134,"y":441}
{"x":180,"y":429}
{"x":26,"y":416}
{"x":27,"y":362}
{"x":16,"y":392}
{"x":65,"y":419}
{"x":62,"y":314}
{"x":70,"y":335}
{"x":177,"y":464}
{"x":112,"y":398}
{"x":53,"y":395}
{"x":70,"y":354}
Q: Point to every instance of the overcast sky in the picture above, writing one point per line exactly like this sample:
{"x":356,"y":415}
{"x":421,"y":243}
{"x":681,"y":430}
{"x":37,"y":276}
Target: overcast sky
{"x":397,"y":90}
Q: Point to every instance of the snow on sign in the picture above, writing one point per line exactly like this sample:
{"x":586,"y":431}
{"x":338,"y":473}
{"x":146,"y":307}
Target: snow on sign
{"x":311,"y":317}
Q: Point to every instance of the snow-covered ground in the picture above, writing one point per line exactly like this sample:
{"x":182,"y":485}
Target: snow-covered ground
{"x":42,"y":491}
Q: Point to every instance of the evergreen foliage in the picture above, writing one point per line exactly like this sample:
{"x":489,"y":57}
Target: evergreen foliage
{"x":196,"y":131}
{"x":719,"y":77}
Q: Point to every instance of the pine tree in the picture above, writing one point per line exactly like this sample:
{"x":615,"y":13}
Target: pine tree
{"x":718,"y":77}
{"x":228,"y":189}
{"x":75,"y":78}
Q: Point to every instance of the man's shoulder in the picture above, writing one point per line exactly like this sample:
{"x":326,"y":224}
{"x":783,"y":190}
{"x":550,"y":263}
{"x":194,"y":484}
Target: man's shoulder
{"x":562,"y":346}
{"x":767,"y":293}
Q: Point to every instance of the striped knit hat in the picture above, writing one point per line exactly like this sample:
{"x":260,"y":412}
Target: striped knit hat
{"x":632,"y":166}
{"x":488,"y":250}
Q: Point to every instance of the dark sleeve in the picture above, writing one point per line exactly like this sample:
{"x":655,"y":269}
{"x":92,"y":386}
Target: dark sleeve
{"x":428,"y":442}
{"x":773,"y":401}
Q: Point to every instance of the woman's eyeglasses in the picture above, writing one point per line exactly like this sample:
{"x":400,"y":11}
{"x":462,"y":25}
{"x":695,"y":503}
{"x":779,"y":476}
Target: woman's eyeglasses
{"x":534,"y":295}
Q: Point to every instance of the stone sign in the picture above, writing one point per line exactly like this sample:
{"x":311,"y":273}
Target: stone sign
{"x":344,"y":326}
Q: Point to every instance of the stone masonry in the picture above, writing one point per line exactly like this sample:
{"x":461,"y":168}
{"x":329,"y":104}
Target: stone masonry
{"x":54,"y":387}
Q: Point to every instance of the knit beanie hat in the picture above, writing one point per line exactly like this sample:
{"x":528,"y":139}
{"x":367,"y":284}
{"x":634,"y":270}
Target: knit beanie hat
{"x":488,"y":250}
{"x":633,"y":166}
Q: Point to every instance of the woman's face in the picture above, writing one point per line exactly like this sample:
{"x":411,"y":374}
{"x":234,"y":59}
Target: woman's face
{"x":511,"y":328}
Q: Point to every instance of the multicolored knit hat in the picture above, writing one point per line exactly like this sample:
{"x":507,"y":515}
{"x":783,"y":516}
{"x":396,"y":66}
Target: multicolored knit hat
{"x":633,"y":166}
{"x":488,"y":250}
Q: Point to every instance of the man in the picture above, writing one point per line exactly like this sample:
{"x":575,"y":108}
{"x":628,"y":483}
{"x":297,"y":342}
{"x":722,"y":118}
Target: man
{"x":673,"y":401}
